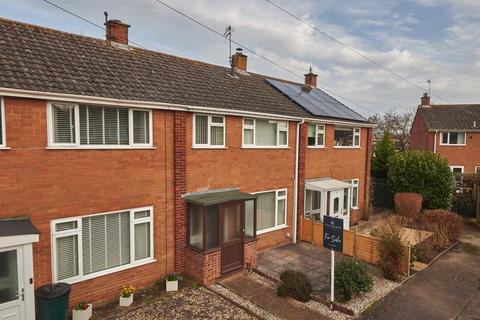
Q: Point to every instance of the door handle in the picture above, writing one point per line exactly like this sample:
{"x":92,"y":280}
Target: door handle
{"x":23,"y":294}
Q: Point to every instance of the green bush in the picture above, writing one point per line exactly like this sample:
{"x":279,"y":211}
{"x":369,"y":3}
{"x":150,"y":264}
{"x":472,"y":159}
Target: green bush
{"x":384,"y":150}
{"x":422,"y":172}
{"x":351,"y":277}
{"x":391,"y":251}
{"x":463,"y":204}
{"x":295,"y":284}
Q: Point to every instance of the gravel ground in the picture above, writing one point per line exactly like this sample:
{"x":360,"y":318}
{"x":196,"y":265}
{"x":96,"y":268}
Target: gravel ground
{"x":189,"y":303}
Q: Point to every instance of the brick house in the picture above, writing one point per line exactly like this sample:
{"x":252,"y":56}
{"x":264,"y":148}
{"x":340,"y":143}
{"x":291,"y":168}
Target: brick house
{"x":119,"y":165}
{"x":452,"y":131}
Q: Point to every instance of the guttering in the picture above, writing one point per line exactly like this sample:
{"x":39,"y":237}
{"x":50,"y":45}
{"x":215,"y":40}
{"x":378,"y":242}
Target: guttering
{"x":65,"y":97}
{"x":435,"y":141}
{"x":295,"y":190}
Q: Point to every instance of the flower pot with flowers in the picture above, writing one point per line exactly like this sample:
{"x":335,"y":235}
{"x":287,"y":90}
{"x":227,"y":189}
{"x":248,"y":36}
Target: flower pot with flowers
{"x":126,"y":295}
{"x":172,"y":282}
{"x":82,"y":311}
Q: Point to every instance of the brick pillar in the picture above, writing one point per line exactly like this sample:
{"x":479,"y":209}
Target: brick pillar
{"x":180,"y":188}
{"x":367,"y":171}
{"x":301,"y":174}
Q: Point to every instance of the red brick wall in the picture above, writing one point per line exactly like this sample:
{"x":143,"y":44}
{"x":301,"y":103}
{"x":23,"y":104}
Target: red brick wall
{"x":340,"y":164}
{"x":250,"y":254}
{"x":302,"y":153}
{"x":180,"y":174}
{"x":251,"y":170}
{"x":205,"y":267}
{"x":51,"y":184}
{"x":467,"y":156}
{"x":420,"y":138}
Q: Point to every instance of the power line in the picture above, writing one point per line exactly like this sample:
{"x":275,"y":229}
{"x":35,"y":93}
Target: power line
{"x":84,"y":19}
{"x":329,"y":37}
{"x":252,"y":51}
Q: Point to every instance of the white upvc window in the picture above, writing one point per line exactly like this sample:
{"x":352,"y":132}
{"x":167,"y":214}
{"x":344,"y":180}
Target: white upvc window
{"x":316,"y":135}
{"x":354,"y":194}
{"x":271,"y":210}
{"x":264,"y":133}
{"x":208,"y":131}
{"x":477,"y":169}
{"x":86,"y":126}
{"x":453,"y":138}
{"x":347,"y":137}
{"x":457,"y":169}
{"x":3,"y":136}
{"x":86,"y":247}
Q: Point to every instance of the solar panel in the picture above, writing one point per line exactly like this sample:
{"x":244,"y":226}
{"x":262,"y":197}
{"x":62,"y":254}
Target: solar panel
{"x":316,"y":101}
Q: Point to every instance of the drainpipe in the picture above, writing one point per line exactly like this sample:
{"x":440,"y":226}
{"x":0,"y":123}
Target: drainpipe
{"x":295,"y":190}
{"x":435,"y":141}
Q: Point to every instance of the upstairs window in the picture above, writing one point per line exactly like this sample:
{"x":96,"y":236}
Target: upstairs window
{"x":457,"y":169}
{"x":82,"y":125}
{"x":2,"y":124}
{"x":264,"y":133}
{"x":316,"y":135}
{"x":347,"y":137}
{"x":209,"y":131}
{"x":453,"y":138}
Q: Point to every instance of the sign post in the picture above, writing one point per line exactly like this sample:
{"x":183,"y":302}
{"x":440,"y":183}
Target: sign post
{"x":333,"y":240}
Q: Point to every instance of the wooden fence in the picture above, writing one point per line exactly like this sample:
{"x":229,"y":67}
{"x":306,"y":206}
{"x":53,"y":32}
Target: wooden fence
{"x":360,"y":246}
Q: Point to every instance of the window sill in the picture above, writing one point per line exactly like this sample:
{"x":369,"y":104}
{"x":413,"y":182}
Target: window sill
{"x":5,"y":148}
{"x":107,"y":272}
{"x":346,"y":147}
{"x":209,"y":148}
{"x":265,"y":147}
{"x":452,"y":145}
{"x":354,"y":208}
{"x":316,"y":147}
{"x":101,"y":148}
{"x":283,"y":226}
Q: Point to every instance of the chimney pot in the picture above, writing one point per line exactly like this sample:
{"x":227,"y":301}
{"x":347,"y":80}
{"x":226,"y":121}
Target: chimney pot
{"x":239,"y":60}
{"x":117,"y":31}
{"x":425,"y":100}
{"x":311,"y":78}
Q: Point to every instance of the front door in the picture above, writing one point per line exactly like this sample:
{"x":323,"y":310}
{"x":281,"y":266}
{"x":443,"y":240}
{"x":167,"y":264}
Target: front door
{"x":336,"y":203}
{"x":232,"y":232}
{"x":12,"y":304}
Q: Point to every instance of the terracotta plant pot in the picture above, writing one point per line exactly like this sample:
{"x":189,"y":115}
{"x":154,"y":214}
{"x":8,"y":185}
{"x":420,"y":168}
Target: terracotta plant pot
{"x":408,"y":204}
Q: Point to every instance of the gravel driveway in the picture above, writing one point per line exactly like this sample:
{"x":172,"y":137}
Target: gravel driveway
{"x":188,"y":303}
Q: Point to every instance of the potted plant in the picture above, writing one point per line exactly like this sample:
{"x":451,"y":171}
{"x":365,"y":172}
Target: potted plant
{"x":172,"y":282}
{"x":126,"y":295}
{"x":82,"y":311}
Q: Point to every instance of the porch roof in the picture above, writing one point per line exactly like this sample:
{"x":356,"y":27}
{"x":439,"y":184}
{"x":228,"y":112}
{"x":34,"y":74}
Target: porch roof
{"x":212,"y":198}
{"x":16,"y":227}
{"x":326,"y":185}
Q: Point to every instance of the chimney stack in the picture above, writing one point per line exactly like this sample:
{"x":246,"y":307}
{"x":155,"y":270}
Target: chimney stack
{"x":425,"y":100}
{"x":117,"y":31}
{"x":311,"y":79}
{"x":239,"y":60}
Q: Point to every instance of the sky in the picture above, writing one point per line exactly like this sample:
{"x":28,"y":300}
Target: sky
{"x":437,"y":40}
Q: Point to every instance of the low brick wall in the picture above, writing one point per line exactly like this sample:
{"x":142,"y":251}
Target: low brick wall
{"x":359,"y":246}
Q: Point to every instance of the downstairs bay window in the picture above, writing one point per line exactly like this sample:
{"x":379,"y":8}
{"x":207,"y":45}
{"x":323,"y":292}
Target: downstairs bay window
{"x":271,"y":210}
{"x":90,"y":246}
{"x":72,"y":125}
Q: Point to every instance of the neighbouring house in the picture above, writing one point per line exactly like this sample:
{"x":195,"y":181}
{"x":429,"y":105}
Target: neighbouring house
{"x":119,"y":165}
{"x":451,"y":130}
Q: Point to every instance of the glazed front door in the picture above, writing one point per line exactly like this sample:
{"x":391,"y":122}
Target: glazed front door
{"x":232,"y":232}
{"x":12,"y":304}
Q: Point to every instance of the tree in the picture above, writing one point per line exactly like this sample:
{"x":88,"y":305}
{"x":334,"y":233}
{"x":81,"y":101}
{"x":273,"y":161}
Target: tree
{"x":397,"y":123}
{"x":422,"y":172}
{"x":384,"y":149}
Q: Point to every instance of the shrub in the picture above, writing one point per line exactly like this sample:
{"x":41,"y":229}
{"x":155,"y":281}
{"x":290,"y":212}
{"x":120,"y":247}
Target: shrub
{"x":422,"y":172}
{"x":391,"y":250}
{"x":463,"y":204}
{"x":351,"y":277}
{"x":384,"y":149}
{"x":295,"y":284}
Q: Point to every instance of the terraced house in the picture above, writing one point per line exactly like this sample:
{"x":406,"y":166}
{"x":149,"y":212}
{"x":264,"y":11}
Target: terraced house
{"x":119,"y":164}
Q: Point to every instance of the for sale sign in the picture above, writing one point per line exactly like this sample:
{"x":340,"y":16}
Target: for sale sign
{"x":333,"y":233}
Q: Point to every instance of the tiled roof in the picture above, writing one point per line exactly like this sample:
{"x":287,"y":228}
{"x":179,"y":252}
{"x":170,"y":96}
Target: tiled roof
{"x":46,"y":60}
{"x":451,"y":117}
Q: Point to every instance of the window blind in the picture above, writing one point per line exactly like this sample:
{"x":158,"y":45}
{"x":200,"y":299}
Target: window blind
{"x":141,"y":127}
{"x":201,"y":129}
{"x":103,"y":126}
{"x":63,"y":123}
{"x":142,"y":240}
{"x":1,"y":125}
{"x":67,"y":257}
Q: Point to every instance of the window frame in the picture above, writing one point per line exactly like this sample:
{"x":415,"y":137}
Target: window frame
{"x":356,"y":131}
{"x":317,"y":131}
{"x":210,"y":124}
{"x":253,"y":127}
{"x":3,"y":142}
{"x":477,"y":169}
{"x":78,"y":145}
{"x":277,"y":198}
{"x":354,"y":183}
{"x":457,"y":167}
{"x":448,"y":144}
{"x":78,"y":232}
